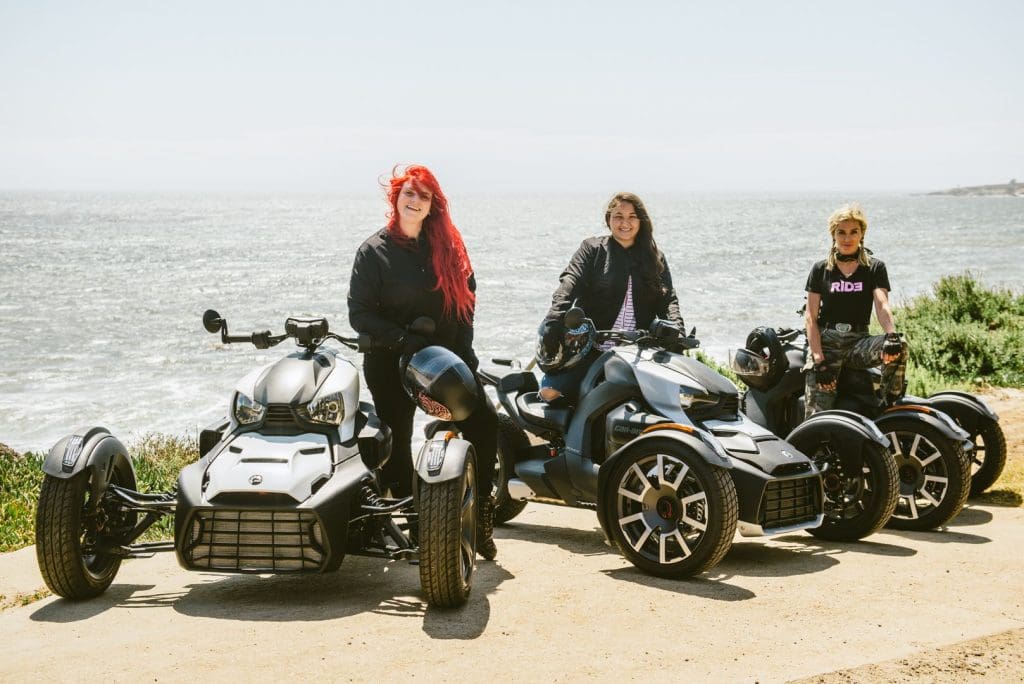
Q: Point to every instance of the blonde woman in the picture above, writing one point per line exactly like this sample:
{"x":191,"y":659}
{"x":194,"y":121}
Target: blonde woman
{"x":841,"y":291}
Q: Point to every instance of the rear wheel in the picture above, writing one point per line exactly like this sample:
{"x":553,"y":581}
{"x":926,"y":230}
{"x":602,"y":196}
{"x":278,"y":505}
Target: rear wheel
{"x":670,"y":512}
{"x":857,"y":504}
{"x":447,"y":532}
{"x":71,"y":531}
{"x":512,"y":439}
{"x":934,"y":475}
{"x":989,"y":456}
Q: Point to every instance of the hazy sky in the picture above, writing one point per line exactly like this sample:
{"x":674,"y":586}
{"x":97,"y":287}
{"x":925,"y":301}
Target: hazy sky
{"x":511,"y":96}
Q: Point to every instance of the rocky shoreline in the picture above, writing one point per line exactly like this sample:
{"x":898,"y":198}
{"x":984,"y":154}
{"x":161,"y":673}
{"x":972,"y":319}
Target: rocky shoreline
{"x":1011,"y":189}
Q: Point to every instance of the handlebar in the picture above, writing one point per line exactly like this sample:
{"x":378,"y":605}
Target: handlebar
{"x":307,"y":332}
{"x":645,"y":339}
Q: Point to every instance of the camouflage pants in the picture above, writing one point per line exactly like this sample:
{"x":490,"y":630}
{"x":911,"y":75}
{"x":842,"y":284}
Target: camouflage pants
{"x":854,"y":350}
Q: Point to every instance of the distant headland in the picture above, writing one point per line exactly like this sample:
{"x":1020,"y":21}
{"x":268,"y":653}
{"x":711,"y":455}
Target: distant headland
{"x":1013,"y":188}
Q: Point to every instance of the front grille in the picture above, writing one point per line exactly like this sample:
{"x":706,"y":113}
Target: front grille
{"x":285,"y":416}
{"x":789,"y":502}
{"x":255,"y":541}
{"x":278,"y":415}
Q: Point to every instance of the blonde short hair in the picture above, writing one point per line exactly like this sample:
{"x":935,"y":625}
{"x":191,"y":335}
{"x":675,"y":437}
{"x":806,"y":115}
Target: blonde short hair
{"x":850,"y":211}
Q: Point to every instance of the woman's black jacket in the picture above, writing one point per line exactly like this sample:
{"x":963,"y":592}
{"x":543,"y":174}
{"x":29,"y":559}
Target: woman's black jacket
{"x":595,"y":280}
{"x":394,"y":284}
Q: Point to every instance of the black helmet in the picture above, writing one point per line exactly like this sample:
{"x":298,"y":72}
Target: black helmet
{"x":440,"y":383}
{"x":562,"y":352}
{"x":763,"y":363}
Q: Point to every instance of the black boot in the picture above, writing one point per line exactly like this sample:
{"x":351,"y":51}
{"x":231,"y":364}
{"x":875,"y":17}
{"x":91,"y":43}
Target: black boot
{"x":485,"y":528}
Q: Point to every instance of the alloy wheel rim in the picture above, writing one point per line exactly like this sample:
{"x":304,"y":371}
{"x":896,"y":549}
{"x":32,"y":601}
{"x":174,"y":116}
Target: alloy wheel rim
{"x":662,"y":508}
{"x":467,"y":523}
{"x":924,"y":478}
{"x":844,"y":494}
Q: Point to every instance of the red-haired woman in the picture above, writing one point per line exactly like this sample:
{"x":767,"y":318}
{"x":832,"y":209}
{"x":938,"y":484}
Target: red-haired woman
{"x":417,"y":266}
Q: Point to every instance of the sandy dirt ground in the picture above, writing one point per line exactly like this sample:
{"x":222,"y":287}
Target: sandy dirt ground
{"x":558,"y":605}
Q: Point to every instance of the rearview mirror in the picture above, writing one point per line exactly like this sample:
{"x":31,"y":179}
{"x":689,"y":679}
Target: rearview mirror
{"x":212,"y":321}
{"x":574,"y":317}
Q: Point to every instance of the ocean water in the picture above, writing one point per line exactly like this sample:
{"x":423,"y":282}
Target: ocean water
{"x":101,"y":295}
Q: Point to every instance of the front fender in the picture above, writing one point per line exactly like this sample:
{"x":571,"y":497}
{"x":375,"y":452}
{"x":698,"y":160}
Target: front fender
{"x":840,"y":420}
{"x":845,"y":431}
{"x":693,"y":441}
{"x":93,"y":448}
{"x":443,"y":458}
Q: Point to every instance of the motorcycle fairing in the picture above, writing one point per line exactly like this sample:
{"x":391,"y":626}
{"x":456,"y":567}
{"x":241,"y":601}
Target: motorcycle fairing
{"x":252,"y":462}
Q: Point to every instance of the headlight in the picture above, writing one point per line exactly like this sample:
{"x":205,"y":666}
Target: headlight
{"x":328,"y":409}
{"x":248,"y":411}
{"x":688,"y":396}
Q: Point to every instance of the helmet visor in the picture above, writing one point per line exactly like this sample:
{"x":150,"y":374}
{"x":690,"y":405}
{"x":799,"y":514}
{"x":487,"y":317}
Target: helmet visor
{"x":748,"y":364}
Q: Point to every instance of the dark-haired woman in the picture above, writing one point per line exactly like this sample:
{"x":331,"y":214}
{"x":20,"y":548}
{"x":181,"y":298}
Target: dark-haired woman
{"x":621,"y":281}
{"x":417,"y":266}
{"x":841,"y":290}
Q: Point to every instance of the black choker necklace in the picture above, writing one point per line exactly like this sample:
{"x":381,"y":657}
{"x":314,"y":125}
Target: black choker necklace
{"x":846,"y":258}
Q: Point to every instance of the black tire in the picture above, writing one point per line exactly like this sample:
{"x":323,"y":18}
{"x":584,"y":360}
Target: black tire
{"x":447,"y":535}
{"x":989,"y":457}
{"x":934,"y":475}
{"x":856,"y":504}
{"x":511,"y":439}
{"x":661,"y":485}
{"x":65,"y":536}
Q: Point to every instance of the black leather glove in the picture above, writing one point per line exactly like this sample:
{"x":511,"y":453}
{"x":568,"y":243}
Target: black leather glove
{"x":893,"y":345}
{"x":412,"y":343}
{"x":823,"y":374}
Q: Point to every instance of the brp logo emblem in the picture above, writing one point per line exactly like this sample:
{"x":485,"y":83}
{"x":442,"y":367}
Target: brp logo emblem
{"x":256,"y":479}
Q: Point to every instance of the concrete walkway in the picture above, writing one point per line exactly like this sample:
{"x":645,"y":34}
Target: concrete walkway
{"x":558,"y":605}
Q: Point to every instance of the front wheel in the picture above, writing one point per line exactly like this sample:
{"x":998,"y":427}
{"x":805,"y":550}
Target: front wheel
{"x":71,"y":531}
{"x":447,"y":518}
{"x":670,"y":512}
{"x":934,"y":475}
{"x":511,"y":440}
{"x":989,"y":457}
{"x":857,"y":504}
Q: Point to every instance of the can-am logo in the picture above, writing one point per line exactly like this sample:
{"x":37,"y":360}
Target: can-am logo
{"x":847,"y":287}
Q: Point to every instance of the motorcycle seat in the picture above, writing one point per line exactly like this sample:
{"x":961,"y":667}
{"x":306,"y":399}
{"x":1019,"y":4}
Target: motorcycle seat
{"x":536,"y":411}
{"x":509,"y":380}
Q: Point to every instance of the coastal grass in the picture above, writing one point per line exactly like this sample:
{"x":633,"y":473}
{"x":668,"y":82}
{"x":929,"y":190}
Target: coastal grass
{"x":963,"y":335}
{"x":20,"y":477}
{"x":1009,"y":488}
{"x":157,"y":459}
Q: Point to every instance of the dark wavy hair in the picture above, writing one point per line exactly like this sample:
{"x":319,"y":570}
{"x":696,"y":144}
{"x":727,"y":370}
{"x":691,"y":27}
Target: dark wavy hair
{"x":447,"y":250}
{"x":647,"y":248}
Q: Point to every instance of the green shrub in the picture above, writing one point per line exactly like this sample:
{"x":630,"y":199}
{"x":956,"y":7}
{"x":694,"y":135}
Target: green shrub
{"x":20,"y":477}
{"x":157,"y":460}
{"x":964,"y":334}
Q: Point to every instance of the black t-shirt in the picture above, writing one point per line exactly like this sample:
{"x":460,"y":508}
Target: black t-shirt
{"x":847,"y":300}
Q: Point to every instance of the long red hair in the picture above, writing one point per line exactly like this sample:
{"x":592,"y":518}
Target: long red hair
{"x":447,"y":250}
